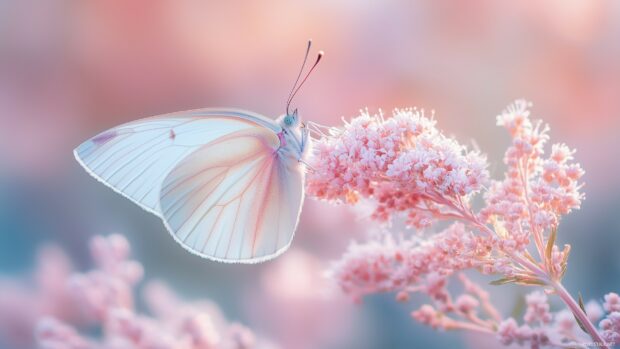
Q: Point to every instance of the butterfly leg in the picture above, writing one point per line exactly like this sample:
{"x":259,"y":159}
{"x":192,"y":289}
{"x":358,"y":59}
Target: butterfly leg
{"x":308,"y":166}
{"x":305,"y":135}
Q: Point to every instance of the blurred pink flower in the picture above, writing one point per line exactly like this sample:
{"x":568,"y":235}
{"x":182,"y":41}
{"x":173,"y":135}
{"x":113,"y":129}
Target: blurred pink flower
{"x":411,"y":265}
{"x":611,"y":328}
{"x":23,"y":302}
{"x":110,"y":286}
{"x":306,"y":311}
{"x":539,"y":329}
{"x":612,"y":302}
{"x":104,"y":297}
{"x":537,"y":308}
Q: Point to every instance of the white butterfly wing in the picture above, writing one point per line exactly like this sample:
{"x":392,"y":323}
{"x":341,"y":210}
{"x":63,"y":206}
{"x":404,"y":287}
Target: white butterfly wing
{"x":234,"y":199}
{"x":134,"y":158}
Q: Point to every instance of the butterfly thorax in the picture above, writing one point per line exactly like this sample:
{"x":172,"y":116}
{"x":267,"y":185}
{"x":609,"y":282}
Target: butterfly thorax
{"x":294,"y":139}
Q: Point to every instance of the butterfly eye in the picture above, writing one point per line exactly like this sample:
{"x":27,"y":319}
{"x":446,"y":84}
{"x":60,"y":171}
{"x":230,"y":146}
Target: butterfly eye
{"x":289,"y":120}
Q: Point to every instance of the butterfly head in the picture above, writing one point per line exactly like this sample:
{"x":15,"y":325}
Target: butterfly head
{"x":289,"y":120}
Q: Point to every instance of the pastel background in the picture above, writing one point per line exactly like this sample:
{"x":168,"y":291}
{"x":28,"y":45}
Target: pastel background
{"x":70,"y":69}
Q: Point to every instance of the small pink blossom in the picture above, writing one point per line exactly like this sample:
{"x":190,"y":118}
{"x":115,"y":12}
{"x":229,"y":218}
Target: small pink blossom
{"x":509,"y":332}
{"x":565,"y":322}
{"x":611,"y":328}
{"x":466,"y":303}
{"x":240,"y":337}
{"x":53,"y":334}
{"x":537,"y":308}
{"x":369,"y":268}
{"x":612,"y":302}
{"x":594,"y":310}
{"x":429,"y":316}
{"x":402,"y":296}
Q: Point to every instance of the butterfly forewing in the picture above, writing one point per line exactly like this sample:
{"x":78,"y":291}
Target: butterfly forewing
{"x":234,"y":200}
{"x":134,"y":158}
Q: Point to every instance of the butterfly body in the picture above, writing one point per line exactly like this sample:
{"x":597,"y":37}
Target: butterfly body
{"x":228,"y":184}
{"x":295,"y":142}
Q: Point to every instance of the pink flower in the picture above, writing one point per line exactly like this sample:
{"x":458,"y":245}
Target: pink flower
{"x":429,"y":316}
{"x":24,"y":301}
{"x":403,"y":163}
{"x":565,"y":322}
{"x":369,"y":268}
{"x":240,"y":337}
{"x":537,"y":308}
{"x":594,"y":310}
{"x":466,"y":303}
{"x":612,"y":302}
{"x":611,"y":328}
{"x":53,"y":334}
{"x":111,"y":285}
{"x":387,"y":265}
{"x":536,"y":190}
{"x":508,"y":331}
{"x":106,"y":295}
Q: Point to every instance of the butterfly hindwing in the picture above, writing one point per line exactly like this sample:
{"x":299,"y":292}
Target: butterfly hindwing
{"x":234,"y":199}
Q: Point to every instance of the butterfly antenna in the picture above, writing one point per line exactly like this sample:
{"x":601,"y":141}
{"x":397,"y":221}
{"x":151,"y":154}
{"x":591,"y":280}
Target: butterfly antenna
{"x":290,"y":95}
{"x":318,"y":59}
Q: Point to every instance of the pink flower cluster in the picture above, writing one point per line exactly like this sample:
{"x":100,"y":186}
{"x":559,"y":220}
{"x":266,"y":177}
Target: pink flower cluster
{"x":543,"y":328}
{"x":611,"y":324}
{"x":536,"y":190}
{"x":405,"y":166}
{"x":471,"y":310}
{"x":402,"y":163}
{"x":104,"y":298}
{"x":110,"y":285}
{"x":414,"y":264}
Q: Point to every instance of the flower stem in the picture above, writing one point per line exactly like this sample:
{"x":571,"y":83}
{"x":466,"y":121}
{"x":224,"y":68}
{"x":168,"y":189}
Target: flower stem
{"x":579,"y":314}
{"x":462,"y":325}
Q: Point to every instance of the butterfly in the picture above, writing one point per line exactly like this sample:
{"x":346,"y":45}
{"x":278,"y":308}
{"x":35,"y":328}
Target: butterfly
{"x":228,"y":184}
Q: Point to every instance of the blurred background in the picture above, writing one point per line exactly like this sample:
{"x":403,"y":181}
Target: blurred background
{"x":70,"y":69}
